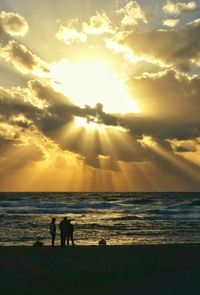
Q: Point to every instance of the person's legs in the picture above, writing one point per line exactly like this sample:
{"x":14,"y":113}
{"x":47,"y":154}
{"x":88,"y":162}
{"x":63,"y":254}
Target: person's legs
{"x":52,"y":240}
{"x":62,"y":240}
{"x":67,"y":240}
{"x":72,"y":239}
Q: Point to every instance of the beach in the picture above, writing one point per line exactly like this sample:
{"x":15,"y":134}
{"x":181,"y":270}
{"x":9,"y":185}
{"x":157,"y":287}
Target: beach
{"x":146,"y":269}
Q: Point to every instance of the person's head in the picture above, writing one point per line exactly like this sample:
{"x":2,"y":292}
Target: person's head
{"x":65,"y":218}
{"x":53,"y":219}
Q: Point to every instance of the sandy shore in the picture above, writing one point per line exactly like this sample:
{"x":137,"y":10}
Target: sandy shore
{"x":163,"y":269}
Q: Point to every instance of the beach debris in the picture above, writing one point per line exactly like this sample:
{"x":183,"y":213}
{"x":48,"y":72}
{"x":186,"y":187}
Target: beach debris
{"x":102,"y":242}
{"x":38,"y":244}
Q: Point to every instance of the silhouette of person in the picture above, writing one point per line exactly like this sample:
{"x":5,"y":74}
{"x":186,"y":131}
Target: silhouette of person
{"x":70,"y":231}
{"x":52,"y":228}
{"x":63,"y":231}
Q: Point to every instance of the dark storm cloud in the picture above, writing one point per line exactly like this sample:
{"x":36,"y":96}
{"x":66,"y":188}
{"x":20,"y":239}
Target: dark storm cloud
{"x":174,"y":47}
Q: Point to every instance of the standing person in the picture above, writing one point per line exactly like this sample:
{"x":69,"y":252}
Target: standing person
{"x":63,"y":231}
{"x":52,"y":228}
{"x":70,"y":231}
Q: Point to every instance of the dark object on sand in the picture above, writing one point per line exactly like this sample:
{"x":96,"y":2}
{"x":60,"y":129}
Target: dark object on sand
{"x":102,"y":242}
{"x":38,"y":244}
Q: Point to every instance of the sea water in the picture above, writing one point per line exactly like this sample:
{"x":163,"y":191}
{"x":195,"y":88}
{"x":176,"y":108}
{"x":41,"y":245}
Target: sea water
{"x":120,"y":218}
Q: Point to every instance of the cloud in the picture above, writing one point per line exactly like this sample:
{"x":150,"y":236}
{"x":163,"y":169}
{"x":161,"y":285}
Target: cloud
{"x":69,"y":34}
{"x":171,"y":23}
{"x":159,"y":117}
{"x":178,"y":48}
{"x":132,"y":14}
{"x":39,"y":109}
{"x":115,"y":44}
{"x":98,"y":24}
{"x":20,"y":113}
{"x":194,"y":22}
{"x":179,"y":7}
{"x":21,"y":120}
{"x":168,"y":95}
{"x":42,"y":106}
{"x":23,"y":59}
{"x":159,"y":96}
{"x":185,"y":148}
{"x":26,"y":130}
{"x":17,"y":117}
{"x":13,"y":24}
{"x":17,"y":135}
{"x":19,"y":145}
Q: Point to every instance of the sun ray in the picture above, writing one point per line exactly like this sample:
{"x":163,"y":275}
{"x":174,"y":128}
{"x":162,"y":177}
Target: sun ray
{"x":172,"y":158}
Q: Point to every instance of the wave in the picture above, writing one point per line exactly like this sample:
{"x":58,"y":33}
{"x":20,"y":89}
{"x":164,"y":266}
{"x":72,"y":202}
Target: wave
{"x":147,"y":206}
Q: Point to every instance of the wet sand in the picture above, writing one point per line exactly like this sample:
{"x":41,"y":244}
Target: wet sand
{"x":161,"y":269}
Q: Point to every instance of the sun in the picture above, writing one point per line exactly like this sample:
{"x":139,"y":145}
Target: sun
{"x":92,"y":82}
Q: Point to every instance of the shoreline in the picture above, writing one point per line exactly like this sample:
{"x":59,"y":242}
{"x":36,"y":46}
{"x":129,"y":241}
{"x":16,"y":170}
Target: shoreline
{"x":127,"y":269}
{"x":102,"y":246}
{"x":120,"y":246}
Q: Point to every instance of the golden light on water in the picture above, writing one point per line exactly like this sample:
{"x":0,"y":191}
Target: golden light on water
{"x":92,"y":82}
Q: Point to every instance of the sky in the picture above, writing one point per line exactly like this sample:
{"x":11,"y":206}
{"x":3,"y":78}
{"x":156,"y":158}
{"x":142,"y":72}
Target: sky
{"x":99,"y":95}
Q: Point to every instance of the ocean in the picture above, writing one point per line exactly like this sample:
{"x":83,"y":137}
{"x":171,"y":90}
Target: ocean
{"x":120,"y":218}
